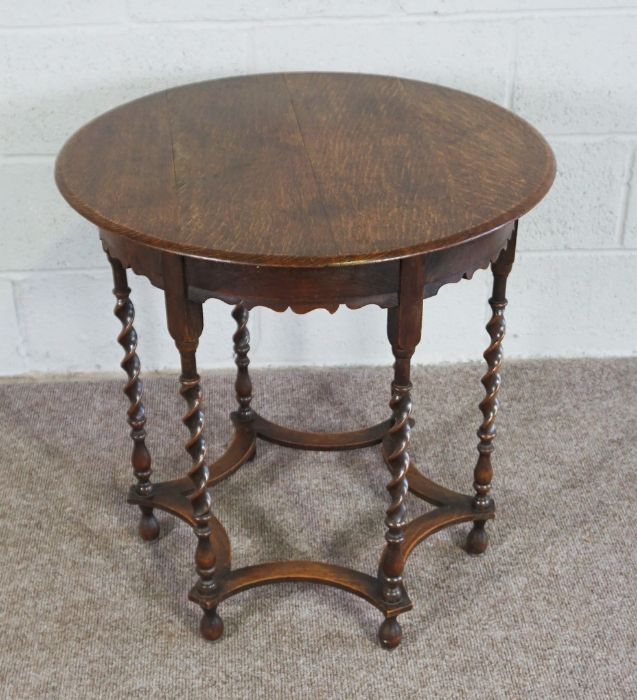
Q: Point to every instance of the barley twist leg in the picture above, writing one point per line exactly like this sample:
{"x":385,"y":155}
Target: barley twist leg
{"x":205,"y":559}
{"x":403,"y":329}
{"x":136,"y":416}
{"x":185,"y":324}
{"x":478,"y":539}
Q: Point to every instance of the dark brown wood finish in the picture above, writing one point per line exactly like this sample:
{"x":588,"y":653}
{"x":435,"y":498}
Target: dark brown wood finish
{"x":185,"y":324}
{"x":306,"y":191}
{"x":305,"y":170}
{"x":243,"y":383}
{"x":304,"y":440}
{"x":136,"y":414}
{"x":478,"y":540}
{"x":403,"y":329}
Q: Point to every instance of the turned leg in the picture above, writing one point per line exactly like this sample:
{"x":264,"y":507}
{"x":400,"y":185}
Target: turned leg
{"x":205,"y":559}
{"x":243,"y":383}
{"x":478,"y":539}
{"x":403,"y":329}
{"x":127,"y":338}
{"x":241,"y":341}
{"x":185,"y":323}
{"x":397,"y":458}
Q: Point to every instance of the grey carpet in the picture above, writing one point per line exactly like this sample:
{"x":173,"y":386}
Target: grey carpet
{"x":90,"y":611}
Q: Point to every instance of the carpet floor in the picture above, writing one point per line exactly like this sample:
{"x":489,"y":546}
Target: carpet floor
{"x":91,"y":611}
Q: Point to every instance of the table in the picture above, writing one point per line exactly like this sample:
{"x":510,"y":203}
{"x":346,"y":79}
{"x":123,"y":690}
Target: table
{"x":306,"y":191}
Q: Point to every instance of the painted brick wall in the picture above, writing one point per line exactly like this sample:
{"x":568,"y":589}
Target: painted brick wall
{"x":569,"y":66}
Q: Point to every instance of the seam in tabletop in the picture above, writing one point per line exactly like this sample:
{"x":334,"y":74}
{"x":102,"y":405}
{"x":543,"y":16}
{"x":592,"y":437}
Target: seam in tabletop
{"x":172,"y":157}
{"x":309,"y":160}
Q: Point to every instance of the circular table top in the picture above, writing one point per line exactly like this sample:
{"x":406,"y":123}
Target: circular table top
{"x":305,"y":169}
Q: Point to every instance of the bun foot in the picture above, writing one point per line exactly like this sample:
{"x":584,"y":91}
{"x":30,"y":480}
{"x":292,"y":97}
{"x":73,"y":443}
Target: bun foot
{"x":390,"y":633}
{"x":148,"y":525}
{"x":211,"y":625}
{"x":477,"y":539}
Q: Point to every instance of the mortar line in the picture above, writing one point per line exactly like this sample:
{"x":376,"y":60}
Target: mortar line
{"x":252,"y":49}
{"x":398,"y":17}
{"x":592,"y":137}
{"x":8,"y":28}
{"x":26,"y":157}
{"x":579,"y":252}
{"x":624,"y":202}
{"x":22,"y":349}
{"x":528,"y":14}
{"x":21,"y":273}
{"x":512,"y":67}
{"x":401,"y":17}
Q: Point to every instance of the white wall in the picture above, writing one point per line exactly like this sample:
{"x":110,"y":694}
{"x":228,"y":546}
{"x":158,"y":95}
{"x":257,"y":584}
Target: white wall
{"x":569,"y":66}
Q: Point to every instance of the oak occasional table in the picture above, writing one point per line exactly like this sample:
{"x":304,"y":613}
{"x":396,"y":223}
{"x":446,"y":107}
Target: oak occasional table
{"x":307,"y":191}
